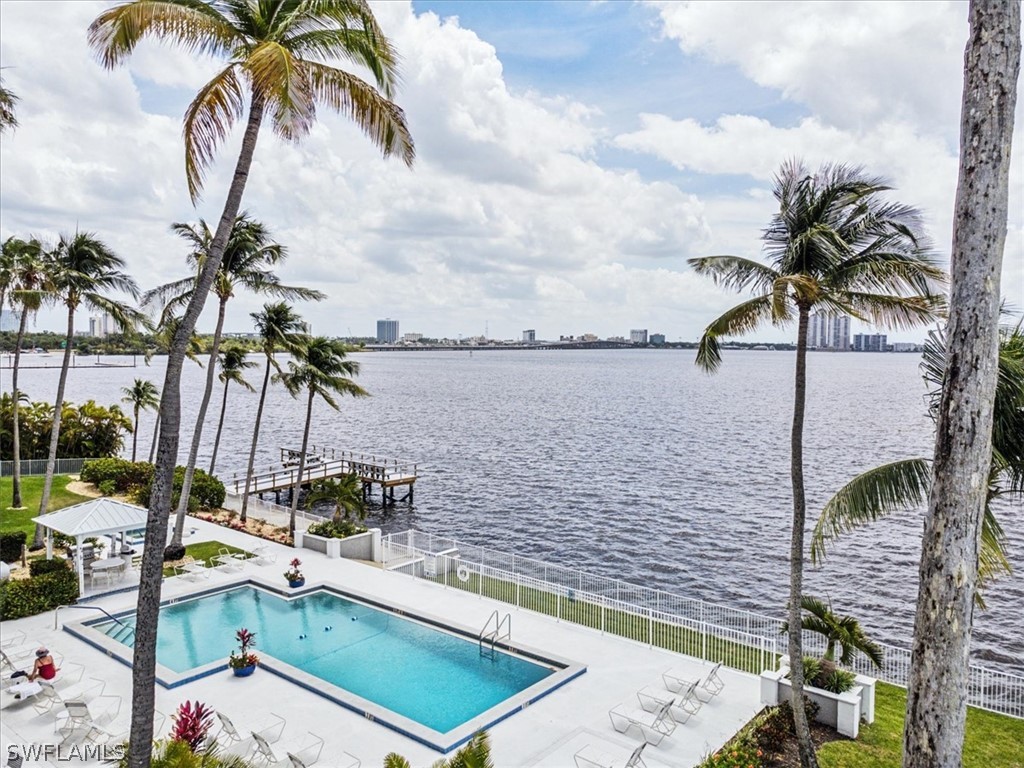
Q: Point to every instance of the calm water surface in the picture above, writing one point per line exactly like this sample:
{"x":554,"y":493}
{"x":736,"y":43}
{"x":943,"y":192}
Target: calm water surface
{"x":627,"y":463}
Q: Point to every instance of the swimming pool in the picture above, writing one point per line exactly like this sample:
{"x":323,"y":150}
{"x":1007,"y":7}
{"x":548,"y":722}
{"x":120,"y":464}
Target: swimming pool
{"x":411,"y":672}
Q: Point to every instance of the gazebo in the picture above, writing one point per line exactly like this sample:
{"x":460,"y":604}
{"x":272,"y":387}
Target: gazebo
{"x":98,"y":517}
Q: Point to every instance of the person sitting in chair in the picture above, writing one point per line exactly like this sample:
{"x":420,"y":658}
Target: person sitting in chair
{"x":44,"y":667}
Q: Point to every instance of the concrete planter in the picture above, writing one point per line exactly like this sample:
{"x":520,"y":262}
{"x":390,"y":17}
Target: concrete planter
{"x":362,"y":546}
{"x":842,"y":711}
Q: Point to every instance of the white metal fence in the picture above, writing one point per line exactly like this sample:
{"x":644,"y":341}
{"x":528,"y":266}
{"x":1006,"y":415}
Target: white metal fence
{"x":743,"y":639}
{"x":38,"y":467}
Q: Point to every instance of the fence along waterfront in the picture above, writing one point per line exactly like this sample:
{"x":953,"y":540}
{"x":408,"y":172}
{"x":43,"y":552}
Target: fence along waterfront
{"x":38,"y":467}
{"x":744,"y":640}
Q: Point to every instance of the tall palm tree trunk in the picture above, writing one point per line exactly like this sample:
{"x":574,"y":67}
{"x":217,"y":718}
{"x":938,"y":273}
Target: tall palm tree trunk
{"x":175,"y":549}
{"x":151,"y":576}
{"x":255,"y":439}
{"x":220,"y":428}
{"x":156,"y":435}
{"x":135,"y":433}
{"x":58,"y":406}
{"x":16,"y":431}
{"x":937,"y":687}
{"x":302,"y":462}
{"x":796,"y":549}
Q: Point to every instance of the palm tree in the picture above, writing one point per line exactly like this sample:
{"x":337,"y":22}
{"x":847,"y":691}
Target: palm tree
{"x":321,"y":368}
{"x":906,"y":484}
{"x":7,"y":116}
{"x":248,"y":258}
{"x":233,"y":364}
{"x":163,"y":333}
{"x":346,"y":493}
{"x":143,"y":396}
{"x":83,"y":270}
{"x":476,"y":753}
{"x":274,"y":49}
{"x":843,"y":631}
{"x":23,"y":279}
{"x":835,"y":246}
{"x":278,"y":325}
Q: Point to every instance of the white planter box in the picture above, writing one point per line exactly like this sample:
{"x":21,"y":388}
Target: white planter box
{"x":362,"y":546}
{"x":842,"y":711}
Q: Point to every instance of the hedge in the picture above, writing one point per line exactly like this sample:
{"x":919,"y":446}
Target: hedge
{"x":136,"y":480}
{"x":11,"y":544}
{"x":27,"y":597}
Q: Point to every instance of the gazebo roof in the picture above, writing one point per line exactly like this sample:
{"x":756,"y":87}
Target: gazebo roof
{"x":95,"y":518}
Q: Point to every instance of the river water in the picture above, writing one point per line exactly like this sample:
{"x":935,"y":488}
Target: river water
{"x":628,"y":463}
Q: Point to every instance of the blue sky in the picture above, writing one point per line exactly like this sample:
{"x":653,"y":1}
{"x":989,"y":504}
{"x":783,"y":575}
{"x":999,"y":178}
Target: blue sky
{"x":571,"y":155}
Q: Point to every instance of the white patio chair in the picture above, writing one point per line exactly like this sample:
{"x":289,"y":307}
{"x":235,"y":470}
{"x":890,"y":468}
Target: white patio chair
{"x":654,"y":726}
{"x":12,"y":638}
{"x":307,"y":751}
{"x":82,"y":721}
{"x":593,"y":757}
{"x":262,"y":555}
{"x":229,"y":738}
{"x":192,"y":569}
{"x":708,"y":686}
{"x":55,"y":694}
{"x":122,"y":731}
{"x":683,"y":706}
{"x":229,"y":561}
{"x":350,"y":761}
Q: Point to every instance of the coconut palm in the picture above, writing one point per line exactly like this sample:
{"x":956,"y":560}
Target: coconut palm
{"x":278,"y":326}
{"x":275,"y":50}
{"x":835,"y":246}
{"x":345,"y":492}
{"x":83,"y":270}
{"x":163,"y":334}
{"x":233,"y":364}
{"x":321,"y":368}
{"x":842,"y":631}
{"x":23,"y":282}
{"x":7,"y":117}
{"x":906,"y":484}
{"x":247,"y":264}
{"x":142,"y":396}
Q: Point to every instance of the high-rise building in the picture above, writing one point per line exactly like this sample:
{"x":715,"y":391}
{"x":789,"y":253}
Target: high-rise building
{"x":101,"y":326}
{"x":839,"y":333}
{"x":828,"y":331}
{"x":530,"y":336}
{"x":657,"y":339}
{"x":387,"y":331}
{"x":638,"y":336}
{"x":870,"y":342}
{"x":10,"y":319}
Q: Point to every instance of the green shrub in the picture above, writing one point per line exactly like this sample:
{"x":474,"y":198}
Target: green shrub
{"x":775,"y":727}
{"x":836,"y":680}
{"x":11,"y":544}
{"x":136,"y":481}
{"x":28,"y":597}
{"x":332,"y":529}
{"x":40,"y":566}
{"x":107,"y":487}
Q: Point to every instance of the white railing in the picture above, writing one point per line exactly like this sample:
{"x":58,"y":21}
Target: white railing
{"x":38,"y":467}
{"x":745,"y":640}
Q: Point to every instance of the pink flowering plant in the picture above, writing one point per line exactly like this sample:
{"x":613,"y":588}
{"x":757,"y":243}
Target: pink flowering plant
{"x":244,"y":657}
{"x":293,"y":573}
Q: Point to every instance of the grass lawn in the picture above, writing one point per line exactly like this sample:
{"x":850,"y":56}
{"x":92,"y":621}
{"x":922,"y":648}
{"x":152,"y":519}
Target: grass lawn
{"x":31,"y":493}
{"x":992,"y":740}
{"x":202,"y":551}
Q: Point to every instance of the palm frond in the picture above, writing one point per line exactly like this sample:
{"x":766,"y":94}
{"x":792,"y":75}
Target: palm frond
{"x":735,"y":272}
{"x":741,"y":319}
{"x":869,"y":496}
{"x":279,"y":78}
{"x":208,"y":120}
{"x":899,"y":312}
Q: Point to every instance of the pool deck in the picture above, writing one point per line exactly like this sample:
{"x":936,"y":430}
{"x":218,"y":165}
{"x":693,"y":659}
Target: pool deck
{"x":547,"y":733}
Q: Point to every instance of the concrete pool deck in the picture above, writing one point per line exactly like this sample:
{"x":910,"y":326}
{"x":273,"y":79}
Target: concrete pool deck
{"x":547,"y":733}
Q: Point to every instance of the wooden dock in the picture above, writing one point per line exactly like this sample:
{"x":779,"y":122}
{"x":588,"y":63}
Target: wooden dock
{"x":325,"y":463}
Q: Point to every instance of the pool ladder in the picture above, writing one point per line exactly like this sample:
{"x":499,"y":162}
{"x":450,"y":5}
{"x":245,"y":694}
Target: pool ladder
{"x":495,"y":630}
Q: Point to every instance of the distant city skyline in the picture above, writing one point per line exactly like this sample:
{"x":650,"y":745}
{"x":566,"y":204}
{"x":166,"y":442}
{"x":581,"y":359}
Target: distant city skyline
{"x":571,"y":157}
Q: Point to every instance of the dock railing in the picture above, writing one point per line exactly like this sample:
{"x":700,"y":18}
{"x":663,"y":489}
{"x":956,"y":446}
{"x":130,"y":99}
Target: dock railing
{"x":744,"y":640}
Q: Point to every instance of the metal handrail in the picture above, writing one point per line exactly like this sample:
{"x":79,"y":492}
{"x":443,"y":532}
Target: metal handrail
{"x":495,"y":635}
{"x":114,"y":619}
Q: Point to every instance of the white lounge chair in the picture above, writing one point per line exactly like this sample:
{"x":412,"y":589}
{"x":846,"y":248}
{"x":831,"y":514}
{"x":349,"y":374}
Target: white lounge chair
{"x":351,"y":761}
{"x":81,"y":721}
{"x":262,"y":555}
{"x":654,"y":726}
{"x":192,"y":569}
{"x":593,"y":757}
{"x":12,"y":638}
{"x":307,"y":751}
{"x":56,"y":693}
{"x":683,"y":706}
{"x":229,"y":561}
{"x":230,"y":739}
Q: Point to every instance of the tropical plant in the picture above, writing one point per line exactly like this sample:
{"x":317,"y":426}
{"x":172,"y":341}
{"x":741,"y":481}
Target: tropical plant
{"x":937,"y":684}
{"x":321,"y":368}
{"x":277,"y":325}
{"x":142,"y":396}
{"x":8,"y":119}
{"x":345,"y":492}
{"x":835,"y":246}
{"x":247,"y":263}
{"x":293,"y":573}
{"x":244,"y":657}
{"x":192,"y":723}
{"x":173,"y":753}
{"x":905,"y":484}
{"x":844,"y":632}
{"x":82,"y":270}
{"x":233,"y":363}
{"x":22,"y":279}
{"x":275,"y":50}
{"x":476,"y":753}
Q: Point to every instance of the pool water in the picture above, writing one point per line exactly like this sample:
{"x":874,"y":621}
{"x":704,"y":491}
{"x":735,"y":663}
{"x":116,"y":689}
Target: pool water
{"x":435,"y":678}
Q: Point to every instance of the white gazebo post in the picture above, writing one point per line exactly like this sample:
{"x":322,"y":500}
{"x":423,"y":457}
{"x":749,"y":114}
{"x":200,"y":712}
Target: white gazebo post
{"x":79,"y":566}
{"x":49,"y":543}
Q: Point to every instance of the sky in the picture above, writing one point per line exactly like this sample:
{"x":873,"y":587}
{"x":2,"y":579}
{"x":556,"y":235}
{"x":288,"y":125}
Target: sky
{"x":571,"y":156}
